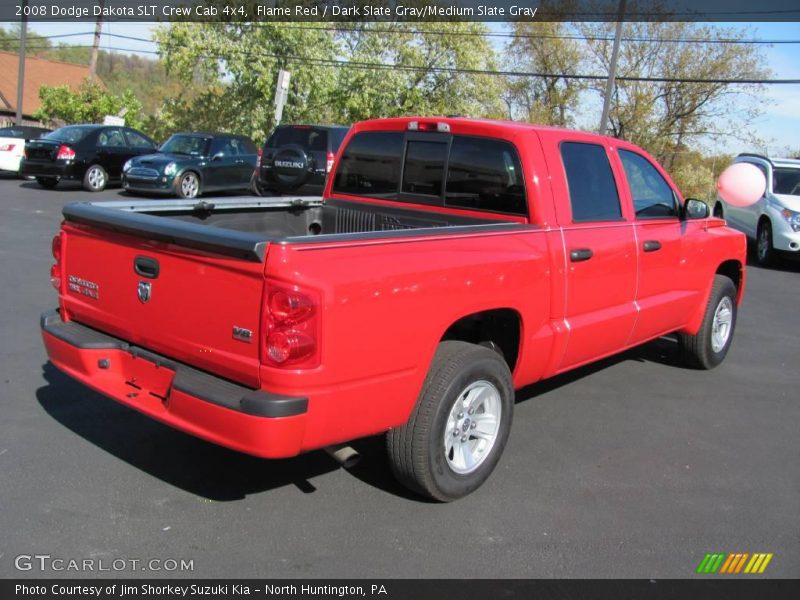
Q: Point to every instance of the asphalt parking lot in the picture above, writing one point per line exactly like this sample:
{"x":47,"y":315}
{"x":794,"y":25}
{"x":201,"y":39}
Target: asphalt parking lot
{"x":634,"y":467}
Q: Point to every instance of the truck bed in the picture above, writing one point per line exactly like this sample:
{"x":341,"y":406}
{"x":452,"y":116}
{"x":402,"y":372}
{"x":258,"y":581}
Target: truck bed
{"x":243,"y":226}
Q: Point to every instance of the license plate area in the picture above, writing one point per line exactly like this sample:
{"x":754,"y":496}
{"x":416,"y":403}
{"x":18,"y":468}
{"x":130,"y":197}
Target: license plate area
{"x":144,"y":379}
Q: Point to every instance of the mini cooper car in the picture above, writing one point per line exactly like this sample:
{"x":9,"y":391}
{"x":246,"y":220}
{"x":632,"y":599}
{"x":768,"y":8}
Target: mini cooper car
{"x":190,"y":164}
{"x":91,"y":154}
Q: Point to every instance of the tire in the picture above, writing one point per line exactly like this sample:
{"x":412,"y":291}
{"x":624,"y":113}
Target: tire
{"x":188,"y":185}
{"x":255,"y":186}
{"x":424,"y":455}
{"x":765,"y":251}
{"x":47,"y":182}
{"x":710,"y":345}
{"x":718,"y":211}
{"x":95,"y":179}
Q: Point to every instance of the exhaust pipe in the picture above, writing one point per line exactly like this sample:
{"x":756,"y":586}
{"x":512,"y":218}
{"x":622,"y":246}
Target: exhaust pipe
{"x":346,"y":456}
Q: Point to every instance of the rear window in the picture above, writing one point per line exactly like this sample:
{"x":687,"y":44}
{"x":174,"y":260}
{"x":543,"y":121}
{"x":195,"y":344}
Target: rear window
{"x":70,"y":134}
{"x":485,"y":174}
{"x":592,"y":189}
{"x":370,"y":164}
{"x":310,"y":138}
{"x":424,"y":168}
{"x":337,"y":137}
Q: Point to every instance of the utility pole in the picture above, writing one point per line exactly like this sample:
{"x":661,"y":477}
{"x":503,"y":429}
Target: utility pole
{"x":612,"y":70}
{"x":23,"y":38}
{"x":98,"y":28}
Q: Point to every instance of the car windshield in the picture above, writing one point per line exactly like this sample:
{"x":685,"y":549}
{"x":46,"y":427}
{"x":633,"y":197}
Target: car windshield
{"x":786,"y":181}
{"x":69,"y":135}
{"x":191,"y":145}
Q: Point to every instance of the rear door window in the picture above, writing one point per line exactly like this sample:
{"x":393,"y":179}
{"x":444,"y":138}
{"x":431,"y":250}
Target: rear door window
{"x":592,"y":190}
{"x":485,"y":174}
{"x":370,"y":164}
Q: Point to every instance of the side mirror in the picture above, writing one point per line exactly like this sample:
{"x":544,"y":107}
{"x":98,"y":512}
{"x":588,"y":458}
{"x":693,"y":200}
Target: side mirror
{"x":695,"y":209}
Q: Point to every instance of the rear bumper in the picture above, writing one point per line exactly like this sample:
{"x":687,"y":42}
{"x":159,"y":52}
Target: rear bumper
{"x":64,"y":170}
{"x":252,"y":421}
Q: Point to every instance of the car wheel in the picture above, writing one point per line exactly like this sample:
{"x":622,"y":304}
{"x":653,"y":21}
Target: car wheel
{"x":765,"y":252}
{"x":47,"y":182}
{"x":188,"y":185}
{"x":718,"y":212}
{"x":95,"y":179}
{"x":707,"y":348}
{"x":460,"y":424}
{"x":255,"y":186}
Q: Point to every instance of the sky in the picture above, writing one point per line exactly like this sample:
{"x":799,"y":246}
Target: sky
{"x":779,"y":126}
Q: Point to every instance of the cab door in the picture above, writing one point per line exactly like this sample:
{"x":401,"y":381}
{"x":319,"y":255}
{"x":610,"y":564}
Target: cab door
{"x":663,"y":296}
{"x":599,"y":252}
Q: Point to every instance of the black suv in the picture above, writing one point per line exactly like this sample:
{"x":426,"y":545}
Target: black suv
{"x":297,"y":156}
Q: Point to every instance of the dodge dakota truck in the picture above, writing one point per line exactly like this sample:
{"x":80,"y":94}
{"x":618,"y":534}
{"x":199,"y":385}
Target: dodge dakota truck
{"x":448,"y":262}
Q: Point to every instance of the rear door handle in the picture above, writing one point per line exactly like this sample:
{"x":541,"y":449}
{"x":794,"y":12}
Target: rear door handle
{"x":651,"y":246}
{"x":580,"y":254}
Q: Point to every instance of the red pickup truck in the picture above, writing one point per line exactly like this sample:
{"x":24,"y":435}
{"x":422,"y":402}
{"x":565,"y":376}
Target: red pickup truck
{"x":448,"y":262}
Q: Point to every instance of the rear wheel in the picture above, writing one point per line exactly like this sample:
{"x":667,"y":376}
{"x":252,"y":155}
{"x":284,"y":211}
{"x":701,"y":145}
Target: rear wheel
{"x":47,"y":182}
{"x":95,"y":179}
{"x":708,"y":348}
{"x":460,"y":425}
{"x":765,"y":252}
{"x":188,"y":185}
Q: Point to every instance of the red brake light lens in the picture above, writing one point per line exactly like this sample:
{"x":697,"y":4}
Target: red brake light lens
{"x":56,"y":248}
{"x":55,"y":276}
{"x":65,"y":153}
{"x":291,"y":327}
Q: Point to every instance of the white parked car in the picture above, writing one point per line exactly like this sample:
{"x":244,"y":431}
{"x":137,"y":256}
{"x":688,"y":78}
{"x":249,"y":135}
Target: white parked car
{"x":12,"y":144}
{"x":774,"y":221}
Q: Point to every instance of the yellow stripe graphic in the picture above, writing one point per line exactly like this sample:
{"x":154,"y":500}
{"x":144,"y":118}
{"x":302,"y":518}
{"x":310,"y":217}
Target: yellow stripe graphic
{"x":764,"y":564}
{"x":749,"y":566}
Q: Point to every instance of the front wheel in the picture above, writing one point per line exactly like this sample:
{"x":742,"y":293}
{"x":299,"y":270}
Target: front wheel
{"x":765,"y":251}
{"x":47,"y":182}
{"x":460,"y":425}
{"x":188,"y":185}
{"x":708,"y":348}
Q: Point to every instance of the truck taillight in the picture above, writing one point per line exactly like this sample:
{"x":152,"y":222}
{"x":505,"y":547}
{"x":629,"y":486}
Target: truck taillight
{"x":55,"y":270}
{"x":329,"y":164}
{"x":258,"y":160}
{"x":291,"y":328}
{"x":65,"y":153}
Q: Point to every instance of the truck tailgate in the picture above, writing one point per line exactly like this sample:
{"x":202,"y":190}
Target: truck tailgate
{"x":193,"y":306}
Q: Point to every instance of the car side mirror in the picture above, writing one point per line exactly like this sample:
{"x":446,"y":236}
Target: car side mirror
{"x":218,"y":156}
{"x":695,"y":209}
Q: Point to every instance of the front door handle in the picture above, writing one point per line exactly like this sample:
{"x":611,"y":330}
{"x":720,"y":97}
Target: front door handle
{"x":580,"y":254}
{"x":651,"y":246}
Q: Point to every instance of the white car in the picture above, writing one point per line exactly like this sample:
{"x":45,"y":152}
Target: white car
{"x":12,"y":145}
{"x":774,"y":221}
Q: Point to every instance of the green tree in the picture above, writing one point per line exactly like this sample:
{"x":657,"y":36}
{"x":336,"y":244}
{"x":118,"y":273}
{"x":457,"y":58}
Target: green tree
{"x":665,"y":117}
{"x":541,"y":47}
{"x":87,"y":105}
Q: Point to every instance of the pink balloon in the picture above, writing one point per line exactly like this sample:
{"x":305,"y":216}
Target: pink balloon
{"x":741,"y":184}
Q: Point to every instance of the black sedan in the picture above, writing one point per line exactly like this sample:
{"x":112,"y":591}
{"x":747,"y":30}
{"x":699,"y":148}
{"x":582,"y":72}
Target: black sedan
{"x":91,"y":154}
{"x":189,"y":164}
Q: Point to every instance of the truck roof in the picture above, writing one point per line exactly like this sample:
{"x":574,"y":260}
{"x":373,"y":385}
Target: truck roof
{"x":484,"y":127}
